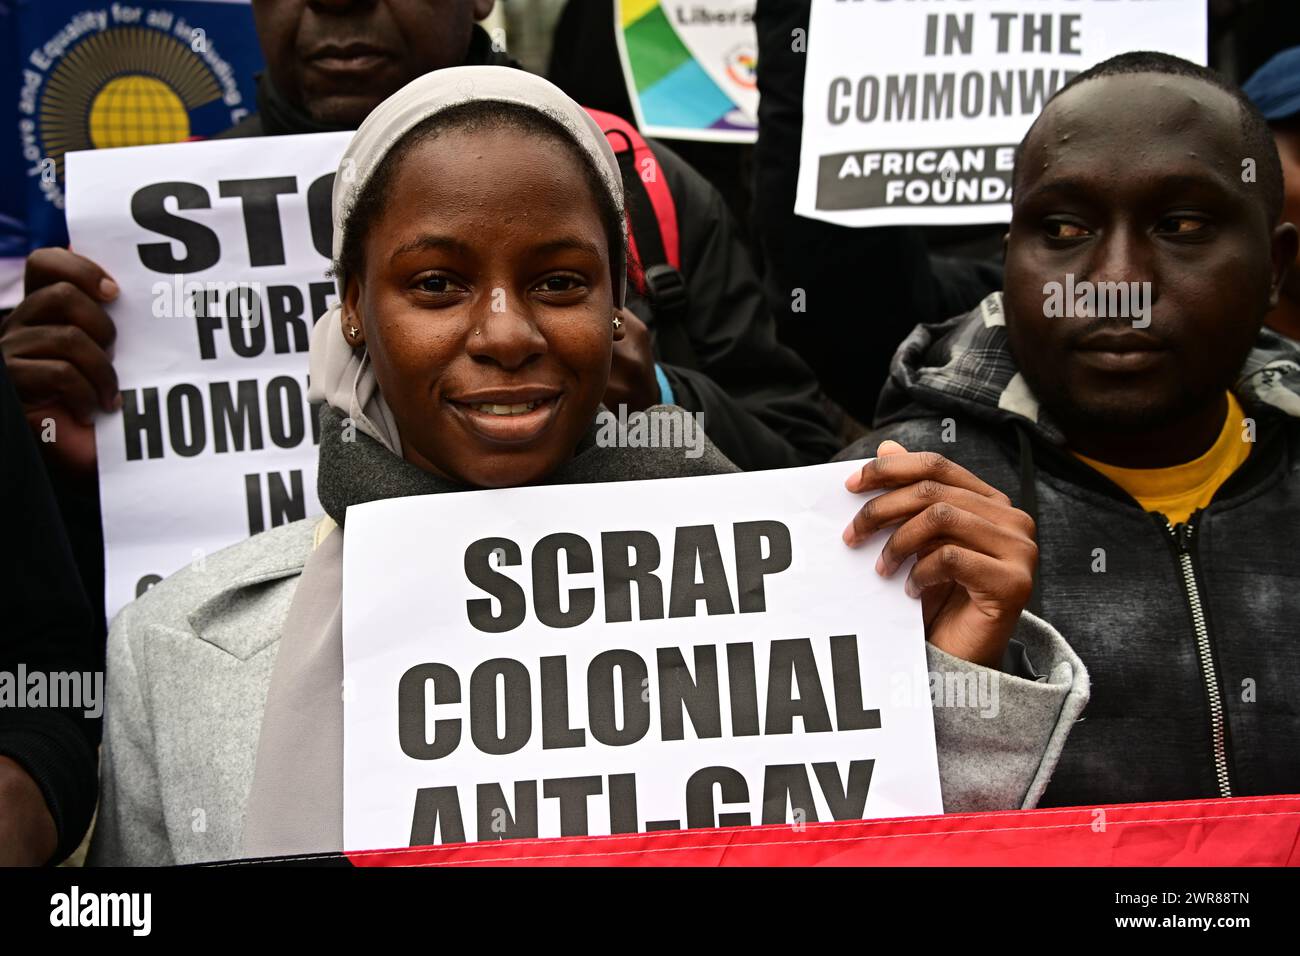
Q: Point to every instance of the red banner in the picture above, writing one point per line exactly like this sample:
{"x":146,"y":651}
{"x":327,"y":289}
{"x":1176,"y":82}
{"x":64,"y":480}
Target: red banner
{"x":1241,"y":831}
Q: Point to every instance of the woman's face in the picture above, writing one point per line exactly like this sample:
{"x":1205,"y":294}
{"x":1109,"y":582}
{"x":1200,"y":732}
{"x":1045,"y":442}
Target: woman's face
{"x":486,"y":305}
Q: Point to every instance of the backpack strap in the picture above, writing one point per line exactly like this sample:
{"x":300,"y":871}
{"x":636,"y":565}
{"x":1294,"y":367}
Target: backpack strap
{"x":653,"y":236}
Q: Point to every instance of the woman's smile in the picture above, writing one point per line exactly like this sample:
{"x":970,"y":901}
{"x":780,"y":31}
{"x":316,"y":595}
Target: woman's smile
{"x":491,"y":333}
{"x":508,"y":415}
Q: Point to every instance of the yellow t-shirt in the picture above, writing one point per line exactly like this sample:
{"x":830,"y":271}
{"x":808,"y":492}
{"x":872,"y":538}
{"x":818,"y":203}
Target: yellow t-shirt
{"x":1179,"y":490}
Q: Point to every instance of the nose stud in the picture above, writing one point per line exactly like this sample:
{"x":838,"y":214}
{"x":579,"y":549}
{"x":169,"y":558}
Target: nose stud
{"x":618,"y":323}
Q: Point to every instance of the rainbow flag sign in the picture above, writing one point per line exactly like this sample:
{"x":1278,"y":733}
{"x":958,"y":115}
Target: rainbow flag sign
{"x":691,"y":67}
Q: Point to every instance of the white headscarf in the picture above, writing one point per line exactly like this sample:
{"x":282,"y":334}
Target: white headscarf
{"x":341,"y":374}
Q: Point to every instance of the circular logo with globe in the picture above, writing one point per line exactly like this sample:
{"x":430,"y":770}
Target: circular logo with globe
{"x":133,"y":85}
{"x":137,"y":110}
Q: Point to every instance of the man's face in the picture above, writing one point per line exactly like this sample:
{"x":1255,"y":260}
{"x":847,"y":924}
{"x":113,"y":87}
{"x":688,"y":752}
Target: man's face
{"x":1138,"y":179}
{"x":339,"y":60}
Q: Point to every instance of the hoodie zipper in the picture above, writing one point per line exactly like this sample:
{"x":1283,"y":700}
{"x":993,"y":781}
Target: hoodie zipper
{"x":1182,"y":538}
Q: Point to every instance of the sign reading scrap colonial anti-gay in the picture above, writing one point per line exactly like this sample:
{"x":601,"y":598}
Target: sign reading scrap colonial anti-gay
{"x":912,"y":111}
{"x":221,"y":251}
{"x":626,"y":657}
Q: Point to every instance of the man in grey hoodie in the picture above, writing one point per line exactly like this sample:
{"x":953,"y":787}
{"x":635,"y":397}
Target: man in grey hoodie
{"x":1121,"y":391}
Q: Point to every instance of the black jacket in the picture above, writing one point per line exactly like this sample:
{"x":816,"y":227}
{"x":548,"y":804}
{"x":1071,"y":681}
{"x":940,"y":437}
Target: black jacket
{"x":759,"y":400}
{"x":761,"y":403}
{"x":844,"y":298}
{"x":47,"y":629}
{"x":1122,"y":587}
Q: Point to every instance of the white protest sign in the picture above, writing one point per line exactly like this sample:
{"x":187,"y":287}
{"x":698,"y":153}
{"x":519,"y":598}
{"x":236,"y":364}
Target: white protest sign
{"x":912,"y":111}
{"x":626,"y":657}
{"x":220,"y":249}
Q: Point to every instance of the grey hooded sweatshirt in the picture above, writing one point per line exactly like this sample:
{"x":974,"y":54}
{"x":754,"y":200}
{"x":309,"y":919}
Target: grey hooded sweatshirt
{"x":1190,"y":634}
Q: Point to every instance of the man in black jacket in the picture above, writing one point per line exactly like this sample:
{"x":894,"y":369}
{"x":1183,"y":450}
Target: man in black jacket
{"x":329,"y":64}
{"x":1158,"y":444}
{"x":47,"y":647}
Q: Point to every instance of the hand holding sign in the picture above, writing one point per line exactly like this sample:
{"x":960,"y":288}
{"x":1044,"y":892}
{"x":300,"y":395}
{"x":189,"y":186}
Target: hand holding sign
{"x":975,"y":552}
{"x":55,"y":346}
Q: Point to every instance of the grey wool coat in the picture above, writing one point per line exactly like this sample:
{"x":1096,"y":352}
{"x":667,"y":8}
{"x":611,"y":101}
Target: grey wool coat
{"x":190,"y":663}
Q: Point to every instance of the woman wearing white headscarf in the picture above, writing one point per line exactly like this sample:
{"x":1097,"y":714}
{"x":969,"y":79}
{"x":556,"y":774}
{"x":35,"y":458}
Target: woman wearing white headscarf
{"x":479,"y":253}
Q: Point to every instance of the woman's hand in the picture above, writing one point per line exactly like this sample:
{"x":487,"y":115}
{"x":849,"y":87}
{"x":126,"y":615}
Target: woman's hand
{"x":976,"y":554}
